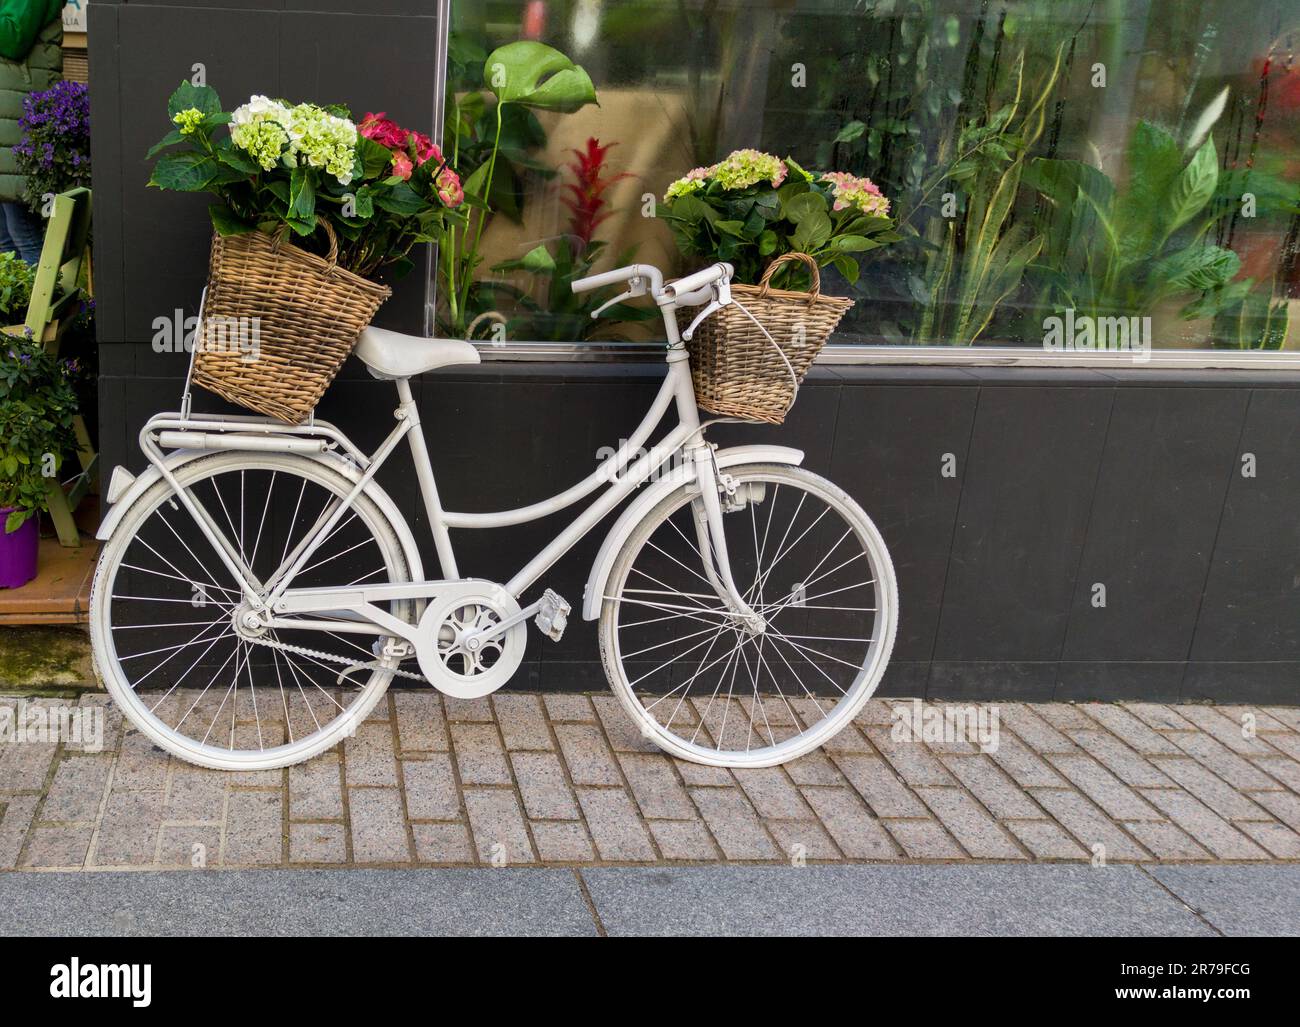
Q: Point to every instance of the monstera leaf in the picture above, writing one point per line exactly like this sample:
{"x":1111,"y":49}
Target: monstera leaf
{"x":536,"y":75}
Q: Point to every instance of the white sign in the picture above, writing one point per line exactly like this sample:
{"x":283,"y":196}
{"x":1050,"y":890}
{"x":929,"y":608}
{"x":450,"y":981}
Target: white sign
{"x":74,"y":16}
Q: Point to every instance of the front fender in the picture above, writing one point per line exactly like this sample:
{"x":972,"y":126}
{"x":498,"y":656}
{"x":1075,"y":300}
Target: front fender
{"x":333,"y":461}
{"x":684,"y":475}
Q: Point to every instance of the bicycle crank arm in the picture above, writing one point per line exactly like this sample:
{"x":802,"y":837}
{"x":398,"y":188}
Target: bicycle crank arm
{"x":552,"y":617}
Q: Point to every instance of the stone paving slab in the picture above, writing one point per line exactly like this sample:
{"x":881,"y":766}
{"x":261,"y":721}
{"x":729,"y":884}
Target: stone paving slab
{"x":290,"y":903}
{"x":1236,"y":900}
{"x":953,"y":899}
{"x":561,"y":779}
{"x":936,"y":900}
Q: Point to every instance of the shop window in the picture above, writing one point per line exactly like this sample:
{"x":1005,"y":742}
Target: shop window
{"x":1065,"y":176}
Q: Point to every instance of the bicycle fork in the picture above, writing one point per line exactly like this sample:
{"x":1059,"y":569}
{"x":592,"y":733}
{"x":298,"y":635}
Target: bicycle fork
{"x":707,"y":515}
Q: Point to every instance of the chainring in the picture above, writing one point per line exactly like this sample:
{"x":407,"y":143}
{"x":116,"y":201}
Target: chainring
{"x":443,"y":645}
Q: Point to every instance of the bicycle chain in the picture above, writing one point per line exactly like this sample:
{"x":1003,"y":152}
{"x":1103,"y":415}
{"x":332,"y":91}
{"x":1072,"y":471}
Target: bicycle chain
{"x":304,"y":651}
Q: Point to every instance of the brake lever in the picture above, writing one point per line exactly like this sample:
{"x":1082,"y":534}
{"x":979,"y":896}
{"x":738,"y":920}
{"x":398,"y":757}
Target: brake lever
{"x":636,"y":287}
{"x":721,"y":297}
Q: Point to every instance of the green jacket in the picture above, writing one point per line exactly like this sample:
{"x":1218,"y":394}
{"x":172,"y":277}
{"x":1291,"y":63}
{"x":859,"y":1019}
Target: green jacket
{"x":31,"y":60}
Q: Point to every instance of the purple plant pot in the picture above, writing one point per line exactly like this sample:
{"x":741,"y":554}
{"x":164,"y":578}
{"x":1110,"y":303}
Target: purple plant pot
{"x":18,"y":551}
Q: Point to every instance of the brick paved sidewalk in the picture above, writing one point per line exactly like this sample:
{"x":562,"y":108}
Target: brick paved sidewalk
{"x":524,"y":779}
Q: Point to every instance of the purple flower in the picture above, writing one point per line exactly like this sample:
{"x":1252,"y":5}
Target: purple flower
{"x":54,"y":149}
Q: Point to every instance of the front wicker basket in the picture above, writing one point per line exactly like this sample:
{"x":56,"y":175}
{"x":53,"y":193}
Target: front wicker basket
{"x":736,"y":370}
{"x":278,"y":323}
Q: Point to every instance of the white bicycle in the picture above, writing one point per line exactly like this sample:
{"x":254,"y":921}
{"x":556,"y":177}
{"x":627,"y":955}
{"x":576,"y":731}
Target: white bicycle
{"x":258,"y":591}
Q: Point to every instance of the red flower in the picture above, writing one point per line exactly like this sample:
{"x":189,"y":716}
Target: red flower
{"x":404,"y":143}
{"x":381,"y":130}
{"x":585,"y":198}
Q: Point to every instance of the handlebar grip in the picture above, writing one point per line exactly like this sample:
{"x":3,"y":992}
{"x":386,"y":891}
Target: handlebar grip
{"x":652,"y":275}
{"x":712,"y":273}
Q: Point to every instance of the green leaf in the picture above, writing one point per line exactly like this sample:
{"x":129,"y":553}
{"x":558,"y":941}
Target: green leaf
{"x":475,"y":185}
{"x":1192,"y":190}
{"x":805,"y":205}
{"x":235,"y":158}
{"x":399,"y":199}
{"x":536,"y":75}
{"x":226,"y":222}
{"x":302,"y":226}
{"x":811,"y":232}
{"x":538,"y":260}
{"x":376,"y":159}
{"x":364,"y":204}
{"x":170,"y":139}
{"x":853,"y":130}
{"x":692,"y":210}
{"x":1195,"y":269}
{"x":853,"y":243}
{"x":184,"y":172}
{"x":189,"y":96}
{"x":1154,"y":162}
{"x":302,"y":194}
{"x":848,"y":267}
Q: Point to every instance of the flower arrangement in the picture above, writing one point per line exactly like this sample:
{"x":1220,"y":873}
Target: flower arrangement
{"x":752,"y":207}
{"x":277,"y":166}
{"x":37,"y":406}
{"x":53,"y":151}
{"x":16,"y":278}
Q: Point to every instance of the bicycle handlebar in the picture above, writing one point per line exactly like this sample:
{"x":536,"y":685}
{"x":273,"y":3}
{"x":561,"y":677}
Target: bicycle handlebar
{"x":692,"y":288}
{"x":694,"y":283}
{"x":622,"y":274}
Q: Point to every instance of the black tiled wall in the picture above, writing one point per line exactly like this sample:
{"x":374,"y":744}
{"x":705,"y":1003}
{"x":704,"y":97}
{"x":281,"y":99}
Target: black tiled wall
{"x":1061,"y":480}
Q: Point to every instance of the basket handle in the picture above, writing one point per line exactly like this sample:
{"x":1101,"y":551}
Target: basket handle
{"x":765,"y":284}
{"x":331,"y":258}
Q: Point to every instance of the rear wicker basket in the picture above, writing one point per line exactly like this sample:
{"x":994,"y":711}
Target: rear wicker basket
{"x":737,"y":370}
{"x":278,"y":323}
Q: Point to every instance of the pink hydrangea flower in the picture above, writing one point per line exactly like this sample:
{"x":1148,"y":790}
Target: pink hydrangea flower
{"x":402,"y":166}
{"x":449,"y":188}
{"x":861,"y":193}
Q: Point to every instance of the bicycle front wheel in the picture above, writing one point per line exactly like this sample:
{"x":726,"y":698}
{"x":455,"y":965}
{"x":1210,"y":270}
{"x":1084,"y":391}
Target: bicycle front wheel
{"x":169,"y":627}
{"x":705,"y":686}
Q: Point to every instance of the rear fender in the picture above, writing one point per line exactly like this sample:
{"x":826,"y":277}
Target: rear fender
{"x":333,"y":461}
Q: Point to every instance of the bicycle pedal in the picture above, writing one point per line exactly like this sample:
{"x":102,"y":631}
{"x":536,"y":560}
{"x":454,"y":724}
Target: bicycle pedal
{"x":553,"y":615}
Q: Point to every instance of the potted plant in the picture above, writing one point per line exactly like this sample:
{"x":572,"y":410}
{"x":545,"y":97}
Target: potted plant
{"x":16,"y":278}
{"x":557,"y":312}
{"x":355,"y":204}
{"x":37,"y":405}
{"x":53,"y":154}
{"x":778,"y":225}
{"x":752,"y":207}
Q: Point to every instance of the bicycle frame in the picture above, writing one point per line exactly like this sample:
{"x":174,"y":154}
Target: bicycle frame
{"x":620,"y":474}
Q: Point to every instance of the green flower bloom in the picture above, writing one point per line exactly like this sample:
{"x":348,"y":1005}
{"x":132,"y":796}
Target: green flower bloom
{"x":264,"y":141}
{"x":691,"y":182}
{"x":323,"y":140}
{"x":188,"y":121}
{"x":743,"y":168}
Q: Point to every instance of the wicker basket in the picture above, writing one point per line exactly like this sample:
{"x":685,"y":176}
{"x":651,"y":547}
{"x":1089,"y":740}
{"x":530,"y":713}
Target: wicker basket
{"x":737,"y":370}
{"x":278,"y":323}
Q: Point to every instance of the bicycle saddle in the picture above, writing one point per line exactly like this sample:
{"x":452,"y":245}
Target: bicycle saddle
{"x":394,"y":355}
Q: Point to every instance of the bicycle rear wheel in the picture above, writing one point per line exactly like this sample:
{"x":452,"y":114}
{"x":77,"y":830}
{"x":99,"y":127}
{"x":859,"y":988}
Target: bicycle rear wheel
{"x":708,"y":688}
{"x":167,"y":630}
